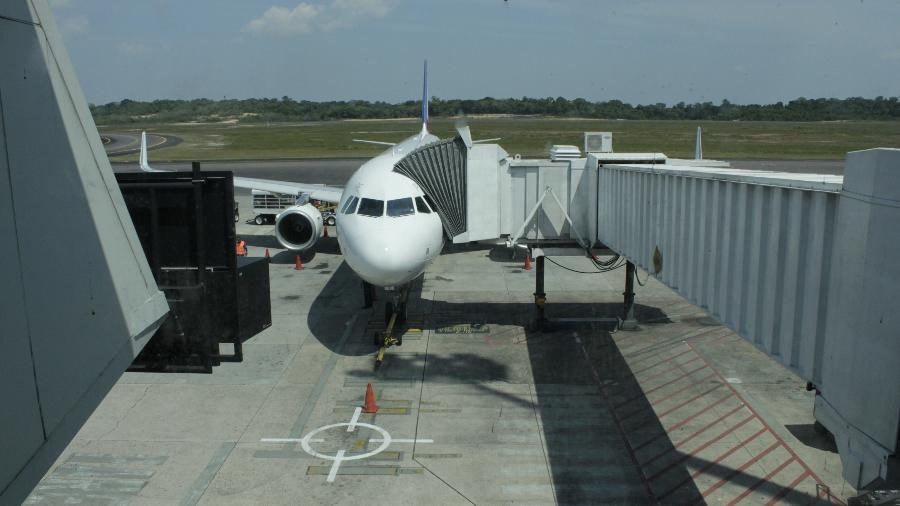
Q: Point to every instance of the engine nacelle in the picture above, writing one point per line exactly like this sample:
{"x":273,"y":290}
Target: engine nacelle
{"x":298,"y":228}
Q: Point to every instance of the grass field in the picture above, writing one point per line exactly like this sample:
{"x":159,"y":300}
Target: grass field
{"x":527,"y":136}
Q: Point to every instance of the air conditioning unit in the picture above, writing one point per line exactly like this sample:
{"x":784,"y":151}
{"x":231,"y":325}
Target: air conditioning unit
{"x":598,"y":142}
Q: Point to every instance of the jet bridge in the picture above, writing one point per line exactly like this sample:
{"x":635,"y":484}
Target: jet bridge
{"x":804,"y":266}
{"x":483,"y":193}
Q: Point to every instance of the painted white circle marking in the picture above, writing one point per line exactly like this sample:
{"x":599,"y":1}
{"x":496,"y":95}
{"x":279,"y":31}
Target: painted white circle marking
{"x":385,"y":442}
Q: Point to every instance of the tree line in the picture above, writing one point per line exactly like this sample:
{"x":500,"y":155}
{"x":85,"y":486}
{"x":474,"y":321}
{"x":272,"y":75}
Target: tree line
{"x":288,"y":109}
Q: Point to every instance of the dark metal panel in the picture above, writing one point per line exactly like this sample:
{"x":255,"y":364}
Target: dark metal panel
{"x":185,"y":222}
{"x":440,"y":170}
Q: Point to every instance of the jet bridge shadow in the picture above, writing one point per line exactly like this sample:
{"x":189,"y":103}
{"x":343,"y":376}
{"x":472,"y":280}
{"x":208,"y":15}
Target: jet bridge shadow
{"x":579,"y":374}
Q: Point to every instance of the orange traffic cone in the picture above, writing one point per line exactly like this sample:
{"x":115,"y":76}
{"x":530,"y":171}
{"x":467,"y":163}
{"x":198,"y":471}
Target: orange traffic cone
{"x":370,"y":406}
{"x":268,"y":257}
{"x":527,"y":261}
{"x":298,"y":264}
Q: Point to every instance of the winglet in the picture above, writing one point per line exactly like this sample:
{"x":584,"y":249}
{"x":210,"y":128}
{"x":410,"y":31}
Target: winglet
{"x":142,"y":161}
{"x":698,"y":146}
{"x":425,"y":100}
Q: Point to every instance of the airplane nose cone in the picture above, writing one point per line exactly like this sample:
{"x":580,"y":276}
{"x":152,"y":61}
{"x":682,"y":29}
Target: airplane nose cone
{"x":387,"y":261}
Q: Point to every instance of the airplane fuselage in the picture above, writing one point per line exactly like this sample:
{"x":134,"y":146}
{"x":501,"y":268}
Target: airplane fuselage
{"x":388,"y":234}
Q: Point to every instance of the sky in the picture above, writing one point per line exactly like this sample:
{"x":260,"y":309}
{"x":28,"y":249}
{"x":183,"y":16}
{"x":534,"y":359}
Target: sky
{"x":637,"y":51}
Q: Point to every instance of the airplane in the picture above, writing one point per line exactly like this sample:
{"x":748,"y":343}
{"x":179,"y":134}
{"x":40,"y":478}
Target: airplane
{"x":388,"y":229}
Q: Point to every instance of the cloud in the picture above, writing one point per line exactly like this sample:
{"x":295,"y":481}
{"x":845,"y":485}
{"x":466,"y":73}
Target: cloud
{"x":74,"y":24}
{"x":60,"y":3}
{"x":891,"y":55}
{"x":284,"y":21}
{"x":131,"y":48}
{"x":375,"y":8}
{"x":306,"y":17}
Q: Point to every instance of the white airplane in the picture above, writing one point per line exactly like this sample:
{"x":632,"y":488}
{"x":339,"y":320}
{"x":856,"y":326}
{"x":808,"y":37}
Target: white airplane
{"x":388,"y":232}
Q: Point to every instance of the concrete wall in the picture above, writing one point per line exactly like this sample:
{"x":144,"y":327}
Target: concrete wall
{"x":78,"y":299}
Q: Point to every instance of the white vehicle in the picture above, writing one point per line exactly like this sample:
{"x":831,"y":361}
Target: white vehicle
{"x":267,"y":206}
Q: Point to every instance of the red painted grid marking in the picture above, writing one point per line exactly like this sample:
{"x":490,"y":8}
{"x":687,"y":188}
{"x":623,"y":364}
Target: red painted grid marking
{"x":790,"y":488}
{"x":692,"y":399}
{"x":719,"y":459}
{"x":779,"y":442}
{"x":745,"y":465}
{"x":647,"y":392}
{"x":664,"y":371}
{"x":666,"y":345}
{"x":664,"y":348}
{"x":670,"y":382}
{"x":764,"y":479}
{"x":676,"y":392}
{"x":681,"y":423}
{"x":686,"y":456}
{"x":808,"y":472}
{"x":695,"y":434}
{"x":635,"y":373}
{"x":669,"y":411}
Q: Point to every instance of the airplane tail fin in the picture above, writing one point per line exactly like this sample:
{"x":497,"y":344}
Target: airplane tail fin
{"x":698,"y":145}
{"x":142,"y":161}
{"x":425,"y":99}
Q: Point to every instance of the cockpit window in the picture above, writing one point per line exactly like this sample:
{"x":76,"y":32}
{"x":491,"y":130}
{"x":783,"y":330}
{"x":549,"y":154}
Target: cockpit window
{"x":400,"y":207}
{"x":371,"y":207}
{"x":350,"y":206}
{"x":421,"y":206}
{"x":430,"y":203}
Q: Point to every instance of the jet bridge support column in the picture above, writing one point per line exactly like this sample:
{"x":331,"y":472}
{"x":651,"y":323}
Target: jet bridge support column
{"x":628,"y":320}
{"x":539,"y":296}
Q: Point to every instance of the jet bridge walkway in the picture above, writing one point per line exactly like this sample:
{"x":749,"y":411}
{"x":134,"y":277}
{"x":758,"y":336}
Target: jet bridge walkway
{"x":804,"y":266}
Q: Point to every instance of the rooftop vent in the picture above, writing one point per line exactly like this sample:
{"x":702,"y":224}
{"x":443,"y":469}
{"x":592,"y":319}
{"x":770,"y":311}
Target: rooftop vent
{"x":564,"y":152}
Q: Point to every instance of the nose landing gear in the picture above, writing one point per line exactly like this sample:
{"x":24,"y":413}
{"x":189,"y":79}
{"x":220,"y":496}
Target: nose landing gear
{"x":394,"y":320}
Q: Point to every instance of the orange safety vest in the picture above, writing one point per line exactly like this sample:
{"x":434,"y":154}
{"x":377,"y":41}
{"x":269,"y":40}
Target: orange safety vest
{"x":240,"y":249}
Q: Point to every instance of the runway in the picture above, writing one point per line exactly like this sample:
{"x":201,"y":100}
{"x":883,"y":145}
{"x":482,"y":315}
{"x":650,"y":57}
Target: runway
{"x":123,"y":144}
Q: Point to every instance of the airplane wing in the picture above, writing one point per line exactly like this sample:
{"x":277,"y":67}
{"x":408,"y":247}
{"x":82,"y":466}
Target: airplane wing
{"x":378,"y":143}
{"x":315,"y":191}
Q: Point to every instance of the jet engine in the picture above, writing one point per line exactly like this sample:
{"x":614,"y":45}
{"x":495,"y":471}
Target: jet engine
{"x":298,"y":228}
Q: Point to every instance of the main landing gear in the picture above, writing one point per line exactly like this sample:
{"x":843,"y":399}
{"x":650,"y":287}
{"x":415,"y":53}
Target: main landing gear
{"x":394,"y":321}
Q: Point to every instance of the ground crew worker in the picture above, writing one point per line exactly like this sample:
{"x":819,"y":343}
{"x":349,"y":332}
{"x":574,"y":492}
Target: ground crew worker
{"x":241,"y":248}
